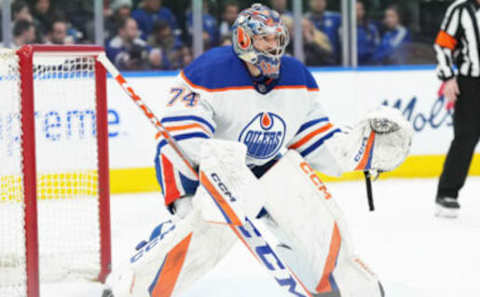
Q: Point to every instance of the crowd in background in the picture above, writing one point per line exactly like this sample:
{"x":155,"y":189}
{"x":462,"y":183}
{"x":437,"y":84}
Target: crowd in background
{"x":146,"y":34}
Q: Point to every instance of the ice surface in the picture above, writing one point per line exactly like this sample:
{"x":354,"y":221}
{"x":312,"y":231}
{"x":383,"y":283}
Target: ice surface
{"x":414,"y":253}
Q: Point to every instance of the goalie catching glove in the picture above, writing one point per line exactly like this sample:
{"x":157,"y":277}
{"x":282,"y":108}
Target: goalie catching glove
{"x":381,"y":142}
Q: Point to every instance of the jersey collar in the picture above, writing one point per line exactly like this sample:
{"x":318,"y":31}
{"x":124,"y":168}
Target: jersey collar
{"x":264,"y":84}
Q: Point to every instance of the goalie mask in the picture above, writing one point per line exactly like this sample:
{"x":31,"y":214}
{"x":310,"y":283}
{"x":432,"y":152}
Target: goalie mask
{"x":260,"y":26}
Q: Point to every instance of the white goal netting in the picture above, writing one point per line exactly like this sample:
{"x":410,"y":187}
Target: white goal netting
{"x":12,"y":235}
{"x":67,"y":171}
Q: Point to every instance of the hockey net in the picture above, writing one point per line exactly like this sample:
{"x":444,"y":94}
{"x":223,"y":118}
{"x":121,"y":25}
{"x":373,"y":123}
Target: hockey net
{"x":66,"y":207}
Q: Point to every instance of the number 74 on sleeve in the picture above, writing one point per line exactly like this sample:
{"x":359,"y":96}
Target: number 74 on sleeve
{"x":190,"y":99}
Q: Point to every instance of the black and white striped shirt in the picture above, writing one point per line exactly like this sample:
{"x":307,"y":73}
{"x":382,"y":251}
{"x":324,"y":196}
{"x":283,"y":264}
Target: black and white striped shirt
{"x":458,"y":42}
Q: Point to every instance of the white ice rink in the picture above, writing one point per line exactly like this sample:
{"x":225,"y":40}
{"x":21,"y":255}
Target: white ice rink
{"x":414,"y":253}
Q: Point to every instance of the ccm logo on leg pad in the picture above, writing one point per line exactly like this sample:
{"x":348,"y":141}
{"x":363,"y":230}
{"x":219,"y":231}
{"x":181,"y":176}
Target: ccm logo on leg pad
{"x":308,"y":170}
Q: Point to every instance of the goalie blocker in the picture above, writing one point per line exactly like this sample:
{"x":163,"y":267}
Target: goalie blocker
{"x":299,"y":211}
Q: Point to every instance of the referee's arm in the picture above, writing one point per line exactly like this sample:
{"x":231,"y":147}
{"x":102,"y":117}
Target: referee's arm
{"x":446,"y":42}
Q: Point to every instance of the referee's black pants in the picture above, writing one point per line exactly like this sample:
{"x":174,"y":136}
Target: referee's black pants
{"x":466,"y":124}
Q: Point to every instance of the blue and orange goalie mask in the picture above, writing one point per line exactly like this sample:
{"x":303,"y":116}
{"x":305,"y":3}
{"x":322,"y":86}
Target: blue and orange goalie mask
{"x":260,"y":38}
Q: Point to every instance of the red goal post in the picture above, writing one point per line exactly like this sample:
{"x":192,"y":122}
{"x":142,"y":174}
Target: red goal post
{"x":54,"y":185}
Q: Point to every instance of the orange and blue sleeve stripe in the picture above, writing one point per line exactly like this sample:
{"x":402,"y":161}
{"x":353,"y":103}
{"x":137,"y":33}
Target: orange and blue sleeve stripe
{"x":172,"y":177}
{"x":312,"y":134}
{"x":194,"y":121}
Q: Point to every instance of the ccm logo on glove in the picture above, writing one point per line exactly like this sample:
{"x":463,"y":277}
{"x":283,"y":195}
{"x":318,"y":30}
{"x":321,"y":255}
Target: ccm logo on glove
{"x":359,"y":155}
{"x":315,"y":179}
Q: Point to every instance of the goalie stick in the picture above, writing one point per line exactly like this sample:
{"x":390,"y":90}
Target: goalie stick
{"x":244,"y":229}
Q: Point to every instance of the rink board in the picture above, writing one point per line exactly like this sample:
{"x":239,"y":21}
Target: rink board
{"x":132,"y":180}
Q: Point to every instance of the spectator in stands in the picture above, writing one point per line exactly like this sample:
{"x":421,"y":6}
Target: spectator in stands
{"x":327,"y":22}
{"x":129,"y":52}
{"x":162,"y":38}
{"x":186,"y":56}
{"x":391,"y":49}
{"x":158,"y":60}
{"x":80,"y":18}
{"x":21,"y":11}
{"x":229,"y":15}
{"x":368,"y":37}
{"x":151,"y":11}
{"x":137,"y":3}
{"x":210,"y":28}
{"x":122,"y":8}
{"x":58,"y":33}
{"x":23,"y":33}
{"x":119,"y":9}
{"x":316,"y":46}
{"x":43,"y":17}
{"x":280,"y":6}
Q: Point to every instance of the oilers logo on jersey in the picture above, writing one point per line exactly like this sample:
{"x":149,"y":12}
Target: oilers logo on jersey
{"x":263,"y":135}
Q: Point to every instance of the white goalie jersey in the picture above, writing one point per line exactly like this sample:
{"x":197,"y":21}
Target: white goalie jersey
{"x":215,"y":97}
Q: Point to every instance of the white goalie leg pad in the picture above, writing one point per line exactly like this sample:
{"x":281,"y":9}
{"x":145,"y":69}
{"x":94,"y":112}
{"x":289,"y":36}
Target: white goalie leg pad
{"x":170,"y":262}
{"x":179,"y":252}
{"x":315,"y":239}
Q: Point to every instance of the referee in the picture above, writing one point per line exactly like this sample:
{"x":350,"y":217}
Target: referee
{"x":458,"y":43}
